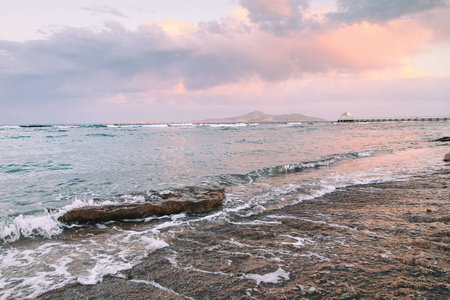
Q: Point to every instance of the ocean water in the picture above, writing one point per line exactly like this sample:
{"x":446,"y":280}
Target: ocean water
{"x":48,"y":170}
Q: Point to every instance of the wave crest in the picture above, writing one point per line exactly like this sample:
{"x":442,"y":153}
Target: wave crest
{"x":29,"y":226}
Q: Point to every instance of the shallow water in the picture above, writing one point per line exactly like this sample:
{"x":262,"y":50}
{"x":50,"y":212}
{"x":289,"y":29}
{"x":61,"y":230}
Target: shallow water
{"x":262,"y":166}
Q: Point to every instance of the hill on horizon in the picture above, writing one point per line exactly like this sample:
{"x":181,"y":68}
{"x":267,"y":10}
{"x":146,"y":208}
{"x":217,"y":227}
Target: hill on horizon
{"x":258,"y":116}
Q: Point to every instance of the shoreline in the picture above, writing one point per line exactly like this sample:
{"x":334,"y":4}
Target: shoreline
{"x":374,"y":241}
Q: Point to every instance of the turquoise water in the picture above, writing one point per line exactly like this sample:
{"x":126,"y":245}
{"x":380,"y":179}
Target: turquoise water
{"x":45,"y":171}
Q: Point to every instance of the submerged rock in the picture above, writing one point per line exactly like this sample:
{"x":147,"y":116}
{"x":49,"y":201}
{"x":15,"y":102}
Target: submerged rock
{"x":183,"y":200}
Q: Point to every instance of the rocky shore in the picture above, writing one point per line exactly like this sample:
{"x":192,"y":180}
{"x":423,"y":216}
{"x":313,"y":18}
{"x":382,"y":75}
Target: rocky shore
{"x":376,"y":241}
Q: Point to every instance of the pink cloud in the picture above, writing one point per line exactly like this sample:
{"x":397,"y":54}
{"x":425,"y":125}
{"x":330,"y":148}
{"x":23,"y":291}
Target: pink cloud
{"x":365,"y":45}
{"x":356,"y":48}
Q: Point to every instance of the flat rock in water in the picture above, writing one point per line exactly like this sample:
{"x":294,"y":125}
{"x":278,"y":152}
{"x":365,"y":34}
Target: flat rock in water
{"x":183,"y":200}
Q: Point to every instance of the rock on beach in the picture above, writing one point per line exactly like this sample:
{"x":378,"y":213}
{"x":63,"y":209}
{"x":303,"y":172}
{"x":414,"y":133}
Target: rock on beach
{"x":189,"y":200}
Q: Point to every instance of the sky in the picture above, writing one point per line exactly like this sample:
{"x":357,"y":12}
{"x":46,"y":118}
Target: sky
{"x":165,"y":60}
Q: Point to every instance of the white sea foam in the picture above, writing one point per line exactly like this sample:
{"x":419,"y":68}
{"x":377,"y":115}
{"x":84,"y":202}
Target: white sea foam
{"x":105,"y":265}
{"x":154,"y":125}
{"x":182,"y":125}
{"x":281,"y":196}
{"x":322,"y":222}
{"x":238,"y":244}
{"x":28,"y":226}
{"x":133,"y":198}
{"x":9,"y":127}
{"x":46,"y":224}
{"x":256,"y":223}
{"x":365,"y":153}
{"x":312,"y":255}
{"x":66,"y":126}
{"x":47,"y":265}
{"x":225,"y":124}
{"x":78,"y":203}
{"x":299,"y":242}
{"x":210,"y":272}
{"x":274,"y":277}
{"x":33,"y":271}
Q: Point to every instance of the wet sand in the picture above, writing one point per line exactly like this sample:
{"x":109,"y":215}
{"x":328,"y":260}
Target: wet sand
{"x":377,"y":241}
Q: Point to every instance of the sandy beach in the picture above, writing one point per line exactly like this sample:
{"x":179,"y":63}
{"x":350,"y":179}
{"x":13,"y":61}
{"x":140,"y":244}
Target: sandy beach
{"x":376,"y":241}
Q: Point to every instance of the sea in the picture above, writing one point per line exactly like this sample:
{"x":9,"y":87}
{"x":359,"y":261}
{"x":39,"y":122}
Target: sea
{"x":47,"y":170}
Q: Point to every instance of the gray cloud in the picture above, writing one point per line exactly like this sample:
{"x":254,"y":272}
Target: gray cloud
{"x":438,"y":21}
{"x":380,"y":11}
{"x":74,"y":62}
{"x":279,"y":16}
{"x":105,"y":9}
{"x":79,"y":62}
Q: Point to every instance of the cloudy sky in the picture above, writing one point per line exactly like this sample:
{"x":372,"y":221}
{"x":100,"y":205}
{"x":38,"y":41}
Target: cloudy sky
{"x":169,"y":60}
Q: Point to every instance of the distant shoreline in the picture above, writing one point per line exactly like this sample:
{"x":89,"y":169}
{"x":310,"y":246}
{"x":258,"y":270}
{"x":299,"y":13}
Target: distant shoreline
{"x":155,"y":123}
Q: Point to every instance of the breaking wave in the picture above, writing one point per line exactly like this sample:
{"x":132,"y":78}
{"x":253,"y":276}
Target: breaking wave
{"x":231,"y":179}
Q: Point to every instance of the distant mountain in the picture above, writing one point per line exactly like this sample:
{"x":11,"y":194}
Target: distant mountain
{"x":258,"y":116}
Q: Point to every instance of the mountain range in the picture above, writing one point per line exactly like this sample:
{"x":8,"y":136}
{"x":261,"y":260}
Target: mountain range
{"x":258,"y":116}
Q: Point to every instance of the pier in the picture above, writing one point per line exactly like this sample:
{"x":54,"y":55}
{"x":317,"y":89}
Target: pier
{"x":348,"y":118}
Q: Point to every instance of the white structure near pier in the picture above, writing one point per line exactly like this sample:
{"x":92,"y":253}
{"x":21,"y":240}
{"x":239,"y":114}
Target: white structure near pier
{"x":347,"y":117}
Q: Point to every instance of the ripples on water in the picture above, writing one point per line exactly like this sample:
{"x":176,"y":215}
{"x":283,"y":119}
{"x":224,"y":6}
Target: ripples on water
{"x":263,"y":167}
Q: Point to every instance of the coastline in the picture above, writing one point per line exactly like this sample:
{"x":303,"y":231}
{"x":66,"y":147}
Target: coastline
{"x":375,"y":241}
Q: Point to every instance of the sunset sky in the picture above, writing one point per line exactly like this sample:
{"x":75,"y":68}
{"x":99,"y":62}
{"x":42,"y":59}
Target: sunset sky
{"x":166,"y":60}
